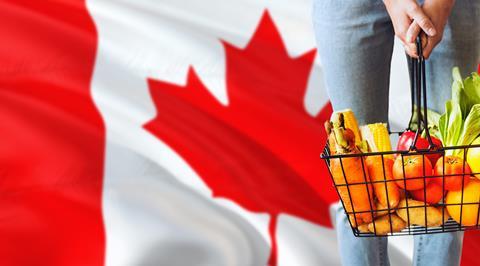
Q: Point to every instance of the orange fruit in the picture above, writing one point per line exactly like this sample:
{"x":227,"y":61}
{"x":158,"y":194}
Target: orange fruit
{"x":471,"y":194}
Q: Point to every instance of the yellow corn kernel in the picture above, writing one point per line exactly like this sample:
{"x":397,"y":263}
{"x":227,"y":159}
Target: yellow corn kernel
{"x":377,"y":137}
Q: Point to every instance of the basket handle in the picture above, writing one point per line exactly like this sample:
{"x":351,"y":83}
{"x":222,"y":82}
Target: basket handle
{"x":418,"y":88}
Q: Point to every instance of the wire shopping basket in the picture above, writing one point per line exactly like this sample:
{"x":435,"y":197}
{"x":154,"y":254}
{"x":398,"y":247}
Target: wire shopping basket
{"x":456,"y":208}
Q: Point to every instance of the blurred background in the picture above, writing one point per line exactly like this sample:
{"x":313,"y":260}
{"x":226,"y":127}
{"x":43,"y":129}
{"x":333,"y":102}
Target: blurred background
{"x":236,"y":50}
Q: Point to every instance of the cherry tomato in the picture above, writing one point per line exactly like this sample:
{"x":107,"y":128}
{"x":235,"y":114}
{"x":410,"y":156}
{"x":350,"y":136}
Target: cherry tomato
{"x":413,"y":167}
{"x":454,"y":169}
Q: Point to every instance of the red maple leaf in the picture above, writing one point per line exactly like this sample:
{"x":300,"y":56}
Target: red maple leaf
{"x":262,"y":150}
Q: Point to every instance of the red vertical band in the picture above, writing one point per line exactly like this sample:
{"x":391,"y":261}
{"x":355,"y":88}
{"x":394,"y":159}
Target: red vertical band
{"x":471,"y":246}
{"x":51,"y":136}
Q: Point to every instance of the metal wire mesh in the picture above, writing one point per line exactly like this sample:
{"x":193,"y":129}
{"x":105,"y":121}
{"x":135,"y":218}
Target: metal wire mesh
{"x":448,"y":224}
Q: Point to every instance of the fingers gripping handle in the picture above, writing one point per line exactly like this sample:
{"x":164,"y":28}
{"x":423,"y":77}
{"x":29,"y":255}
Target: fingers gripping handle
{"x":419,"y":93}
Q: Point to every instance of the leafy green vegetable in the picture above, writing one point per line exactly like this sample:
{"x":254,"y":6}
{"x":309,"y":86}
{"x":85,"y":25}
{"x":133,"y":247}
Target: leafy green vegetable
{"x":471,"y":129}
{"x":442,"y":127}
{"x":460,"y":124}
{"x":456,"y":74}
{"x":459,"y":97}
{"x":432,"y":116}
{"x":472,"y":90}
{"x":453,"y":123}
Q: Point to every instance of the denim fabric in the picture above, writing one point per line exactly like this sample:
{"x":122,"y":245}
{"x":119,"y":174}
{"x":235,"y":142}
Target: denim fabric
{"x":437,"y":249}
{"x":355,"y":43}
{"x":358,"y":250}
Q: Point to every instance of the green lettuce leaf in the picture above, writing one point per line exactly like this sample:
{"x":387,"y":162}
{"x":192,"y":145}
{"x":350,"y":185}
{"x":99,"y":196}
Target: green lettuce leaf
{"x":442,"y":128}
{"x":460,"y":124}
{"x":471,"y":128}
{"x":454,"y":125}
{"x":456,"y":74}
{"x":460,"y":97}
{"x":432,"y":118}
{"x":472,"y":90}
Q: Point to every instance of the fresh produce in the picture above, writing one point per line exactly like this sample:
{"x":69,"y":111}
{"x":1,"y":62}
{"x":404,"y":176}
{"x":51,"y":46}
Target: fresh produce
{"x":454,"y":172}
{"x":416,"y":213}
{"x":473,"y":158}
{"x":377,"y":137}
{"x":382,"y":225}
{"x":354,"y":222}
{"x":359,"y":196}
{"x":378,"y":140}
{"x":363,"y":228}
{"x":382,"y":210}
{"x":406,"y":140}
{"x":410,"y":171}
{"x":471,"y":194}
{"x":350,"y":122}
{"x":433,"y":118}
{"x":382,"y":186}
{"x":433,"y":190}
{"x":459,"y":125}
{"x":383,"y":178}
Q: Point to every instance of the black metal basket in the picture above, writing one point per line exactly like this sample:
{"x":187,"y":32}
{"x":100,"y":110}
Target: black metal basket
{"x":418,"y":88}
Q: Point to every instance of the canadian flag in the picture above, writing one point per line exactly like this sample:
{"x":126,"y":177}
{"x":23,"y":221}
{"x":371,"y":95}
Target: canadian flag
{"x":165,"y":133}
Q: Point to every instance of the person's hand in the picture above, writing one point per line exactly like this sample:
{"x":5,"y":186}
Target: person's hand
{"x":403,"y":14}
{"x":438,"y":11}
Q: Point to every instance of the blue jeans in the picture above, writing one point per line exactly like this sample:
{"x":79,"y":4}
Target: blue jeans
{"x":355,"y":43}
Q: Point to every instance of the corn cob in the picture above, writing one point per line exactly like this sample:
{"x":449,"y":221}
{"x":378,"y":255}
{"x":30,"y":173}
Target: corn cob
{"x":351,"y":123}
{"x":377,"y":137}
